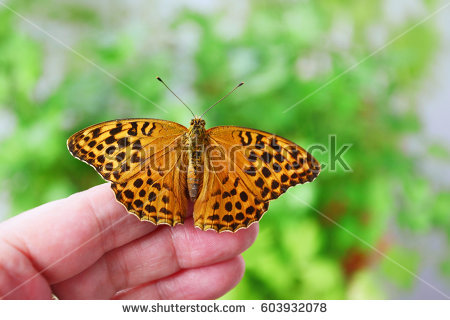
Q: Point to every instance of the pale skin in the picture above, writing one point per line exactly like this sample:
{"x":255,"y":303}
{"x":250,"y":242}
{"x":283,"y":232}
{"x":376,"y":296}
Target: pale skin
{"x":88,"y":247}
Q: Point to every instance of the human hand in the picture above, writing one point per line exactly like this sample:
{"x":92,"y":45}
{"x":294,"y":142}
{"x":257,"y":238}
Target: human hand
{"x":88,"y":247}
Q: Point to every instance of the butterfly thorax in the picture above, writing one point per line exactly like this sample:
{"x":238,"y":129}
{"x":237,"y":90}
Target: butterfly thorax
{"x":195,"y":145}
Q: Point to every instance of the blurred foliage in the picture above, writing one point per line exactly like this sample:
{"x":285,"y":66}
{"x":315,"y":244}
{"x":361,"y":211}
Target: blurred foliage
{"x":316,"y":241}
{"x":396,"y":271}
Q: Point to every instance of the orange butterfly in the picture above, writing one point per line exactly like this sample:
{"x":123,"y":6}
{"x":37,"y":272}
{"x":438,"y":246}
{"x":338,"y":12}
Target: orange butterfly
{"x":157,"y":166}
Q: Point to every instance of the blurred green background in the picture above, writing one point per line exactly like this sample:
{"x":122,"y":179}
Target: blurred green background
{"x":64,"y":66}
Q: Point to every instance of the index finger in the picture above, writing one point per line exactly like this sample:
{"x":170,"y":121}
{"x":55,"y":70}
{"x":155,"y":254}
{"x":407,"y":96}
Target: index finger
{"x":64,"y":237}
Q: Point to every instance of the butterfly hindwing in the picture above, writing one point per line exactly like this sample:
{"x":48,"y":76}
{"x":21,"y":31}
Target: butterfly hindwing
{"x":158,"y":196}
{"x":245,"y":169}
{"x":145,"y":161}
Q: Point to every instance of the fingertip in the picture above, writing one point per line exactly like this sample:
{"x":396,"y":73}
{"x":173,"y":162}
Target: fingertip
{"x":196,"y":247}
{"x":240,"y":269}
{"x":235,"y":269}
{"x":249,"y":234}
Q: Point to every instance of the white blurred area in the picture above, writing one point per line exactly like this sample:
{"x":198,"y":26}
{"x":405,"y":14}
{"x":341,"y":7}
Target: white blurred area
{"x":433,"y":101}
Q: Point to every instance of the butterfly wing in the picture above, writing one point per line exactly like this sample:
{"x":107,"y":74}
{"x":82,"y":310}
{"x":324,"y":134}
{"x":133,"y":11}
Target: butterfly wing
{"x":145,"y":161}
{"x":243,"y":170}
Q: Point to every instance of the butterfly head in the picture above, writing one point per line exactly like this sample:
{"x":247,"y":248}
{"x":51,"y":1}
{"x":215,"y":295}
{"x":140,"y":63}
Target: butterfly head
{"x":197,"y":127}
{"x":197,"y":122}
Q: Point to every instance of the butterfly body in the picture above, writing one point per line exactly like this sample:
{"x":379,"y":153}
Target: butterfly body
{"x":156,"y":167}
{"x":196,"y":142}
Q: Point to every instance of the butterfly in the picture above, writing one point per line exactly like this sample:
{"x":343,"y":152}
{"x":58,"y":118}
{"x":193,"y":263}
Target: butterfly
{"x":156,"y":167}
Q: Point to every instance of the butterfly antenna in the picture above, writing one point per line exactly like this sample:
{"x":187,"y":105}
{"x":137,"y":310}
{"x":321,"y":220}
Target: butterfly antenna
{"x":240,"y":84}
{"x":175,"y":95}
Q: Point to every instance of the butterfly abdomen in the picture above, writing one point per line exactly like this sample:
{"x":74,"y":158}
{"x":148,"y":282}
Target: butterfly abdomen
{"x":196,"y":143}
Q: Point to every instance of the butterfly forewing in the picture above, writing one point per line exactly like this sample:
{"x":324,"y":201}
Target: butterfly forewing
{"x":244,"y":169}
{"x":144,"y":159}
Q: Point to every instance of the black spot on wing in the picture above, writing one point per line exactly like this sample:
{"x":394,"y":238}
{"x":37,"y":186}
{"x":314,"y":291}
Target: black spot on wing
{"x":247,"y":140}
